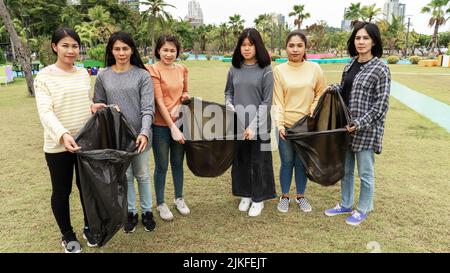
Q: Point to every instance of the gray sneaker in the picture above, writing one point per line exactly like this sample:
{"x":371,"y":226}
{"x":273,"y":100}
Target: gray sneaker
{"x":303,"y":204}
{"x":283,"y":204}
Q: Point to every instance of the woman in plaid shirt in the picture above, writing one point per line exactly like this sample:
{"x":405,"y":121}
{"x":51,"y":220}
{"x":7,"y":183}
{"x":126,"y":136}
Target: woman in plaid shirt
{"x":365,"y":88}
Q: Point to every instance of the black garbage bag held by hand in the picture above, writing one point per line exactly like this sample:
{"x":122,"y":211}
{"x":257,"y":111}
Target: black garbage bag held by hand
{"x":107,"y":144}
{"x":321,"y":141}
{"x":210,"y":130}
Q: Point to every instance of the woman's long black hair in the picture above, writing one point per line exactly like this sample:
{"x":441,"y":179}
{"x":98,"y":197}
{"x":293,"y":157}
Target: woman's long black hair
{"x":262,"y":56}
{"x":127,"y":39}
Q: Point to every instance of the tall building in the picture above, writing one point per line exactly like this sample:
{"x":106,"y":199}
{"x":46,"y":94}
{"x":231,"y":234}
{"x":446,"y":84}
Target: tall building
{"x":346,"y":25}
{"x":134,"y":4}
{"x":195,"y":14}
{"x":393,"y":7}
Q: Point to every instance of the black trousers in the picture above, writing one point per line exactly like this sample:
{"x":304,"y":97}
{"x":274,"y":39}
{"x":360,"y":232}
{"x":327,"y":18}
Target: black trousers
{"x":61,"y":166}
{"x":252,"y":171}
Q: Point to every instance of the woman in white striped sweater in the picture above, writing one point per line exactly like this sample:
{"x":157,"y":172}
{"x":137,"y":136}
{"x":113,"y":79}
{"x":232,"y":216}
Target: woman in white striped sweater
{"x":64,"y":106}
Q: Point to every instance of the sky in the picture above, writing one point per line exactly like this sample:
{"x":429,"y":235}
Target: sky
{"x":332,"y":11}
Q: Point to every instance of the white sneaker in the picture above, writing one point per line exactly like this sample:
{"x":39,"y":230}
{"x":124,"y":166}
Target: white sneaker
{"x":256,"y":208}
{"x":164,"y":212}
{"x":181,"y":206}
{"x":244,"y":205}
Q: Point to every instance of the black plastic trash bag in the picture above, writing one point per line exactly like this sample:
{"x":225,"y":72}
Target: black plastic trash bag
{"x":211,"y":131}
{"x":321,"y":140}
{"x":107,"y":144}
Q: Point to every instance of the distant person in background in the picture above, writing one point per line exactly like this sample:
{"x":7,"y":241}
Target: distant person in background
{"x":250,"y":85}
{"x":126,"y":83}
{"x":365,"y":88}
{"x":171,"y":89}
{"x":297,"y":89}
{"x":64,"y":106}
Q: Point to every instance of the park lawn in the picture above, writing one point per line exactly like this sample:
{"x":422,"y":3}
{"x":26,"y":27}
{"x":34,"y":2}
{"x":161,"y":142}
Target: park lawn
{"x":431,"y":81}
{"x":411,"y":197}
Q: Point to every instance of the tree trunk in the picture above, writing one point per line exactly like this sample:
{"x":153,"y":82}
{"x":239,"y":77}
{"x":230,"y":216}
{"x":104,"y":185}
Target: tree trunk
{"x":152,"y":35}
{"x":12,"y":49}
{"x":434,"y":39}
{"x":21,"y":49}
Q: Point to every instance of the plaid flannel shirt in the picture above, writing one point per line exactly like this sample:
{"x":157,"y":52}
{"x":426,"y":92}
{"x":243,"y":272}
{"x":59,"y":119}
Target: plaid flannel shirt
{"x":368,"y":104}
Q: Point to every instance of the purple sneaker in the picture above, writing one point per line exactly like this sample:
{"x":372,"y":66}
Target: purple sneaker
{"x":337,"y":211}
{"x":356,"y":218}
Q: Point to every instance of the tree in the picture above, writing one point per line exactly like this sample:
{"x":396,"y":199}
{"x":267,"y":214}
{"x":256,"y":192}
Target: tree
{"x":299,"y":12}
{"x":265,"y":24}
{"x":353,"y":13}
{"x":155,"y":14}
{"x":237,"y":25}
{"x":224,"y":32}
{"x":201,"y":33}
{"x":438,"y":11}
{"x":21,"y":49}
{"x":368,"y":13}
{"x":393,"y":33}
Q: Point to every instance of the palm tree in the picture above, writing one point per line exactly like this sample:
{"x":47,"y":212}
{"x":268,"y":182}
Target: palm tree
{"x":224,"y":31}
{"x":21,"y":48}
{"x":155,"y":14}
{"x":237,"y":24}
{"x":299,"y":12}
{"x":368,"y":13}
{"x":393,"y":32}
{"x":101,"y":20}
{"x":265,"y":24}
{"x":438,"y":13}
{"x":353,"y":13}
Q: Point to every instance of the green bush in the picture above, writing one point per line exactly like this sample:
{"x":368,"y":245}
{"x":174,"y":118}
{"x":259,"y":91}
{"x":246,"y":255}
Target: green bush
{"x":228,"y":56}
{"x":97,"y":52}
{"x":2,"y":57}
{"x":415,"y":59}
{"x":184,"y":56}
{"x":208,"y":57}
{"x":393,"y":59}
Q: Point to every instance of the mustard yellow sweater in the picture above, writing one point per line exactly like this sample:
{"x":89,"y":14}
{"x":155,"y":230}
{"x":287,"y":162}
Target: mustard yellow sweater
{"x":297,"y":88}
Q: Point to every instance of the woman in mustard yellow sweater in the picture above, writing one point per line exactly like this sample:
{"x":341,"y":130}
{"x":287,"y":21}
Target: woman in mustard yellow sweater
{"x":298,"y":85}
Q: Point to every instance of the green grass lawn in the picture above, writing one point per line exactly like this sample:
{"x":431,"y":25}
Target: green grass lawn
{"x":431,"y":81}
{"x":411,"y":197}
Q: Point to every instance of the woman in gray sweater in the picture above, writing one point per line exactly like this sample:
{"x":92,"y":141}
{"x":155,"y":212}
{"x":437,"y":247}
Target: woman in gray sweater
{"x":249,"y":92}
{"x":126,"y":83}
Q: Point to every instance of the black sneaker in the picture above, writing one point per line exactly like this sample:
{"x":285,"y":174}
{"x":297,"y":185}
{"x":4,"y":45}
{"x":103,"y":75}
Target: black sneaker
{"x":148,"y":222}
{"x":132,"y":221}
{"x":71,"y":244}
{"x":90,"y":239}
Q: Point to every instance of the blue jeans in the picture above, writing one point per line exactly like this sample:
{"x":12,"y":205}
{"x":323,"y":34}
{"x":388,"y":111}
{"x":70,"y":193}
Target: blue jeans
{"x":365,"y":162}
{"x":162,"y":145}
{"x":289,"y":161}
{"x":140,"y":168}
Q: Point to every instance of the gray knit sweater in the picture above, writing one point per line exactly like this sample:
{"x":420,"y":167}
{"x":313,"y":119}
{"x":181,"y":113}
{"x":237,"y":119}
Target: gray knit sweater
{"x":133,"y":92}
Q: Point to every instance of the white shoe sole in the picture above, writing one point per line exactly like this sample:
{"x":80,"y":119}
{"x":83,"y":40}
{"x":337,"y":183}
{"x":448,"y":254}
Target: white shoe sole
{"x":335,"y":214}
{"x":65,"y":250}
{"x":131,"y":231}
{"x":353,"y":224}
{"x":166,"y":219}
{"x":87,"y":242}
{"x":281,"y":210}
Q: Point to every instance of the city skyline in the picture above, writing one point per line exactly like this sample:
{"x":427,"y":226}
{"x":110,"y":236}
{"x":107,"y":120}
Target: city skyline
{"x":215,"y":12}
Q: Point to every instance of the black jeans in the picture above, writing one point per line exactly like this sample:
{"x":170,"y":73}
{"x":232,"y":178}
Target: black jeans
{"x":61,"y":167}
{"x":252,"y":171}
